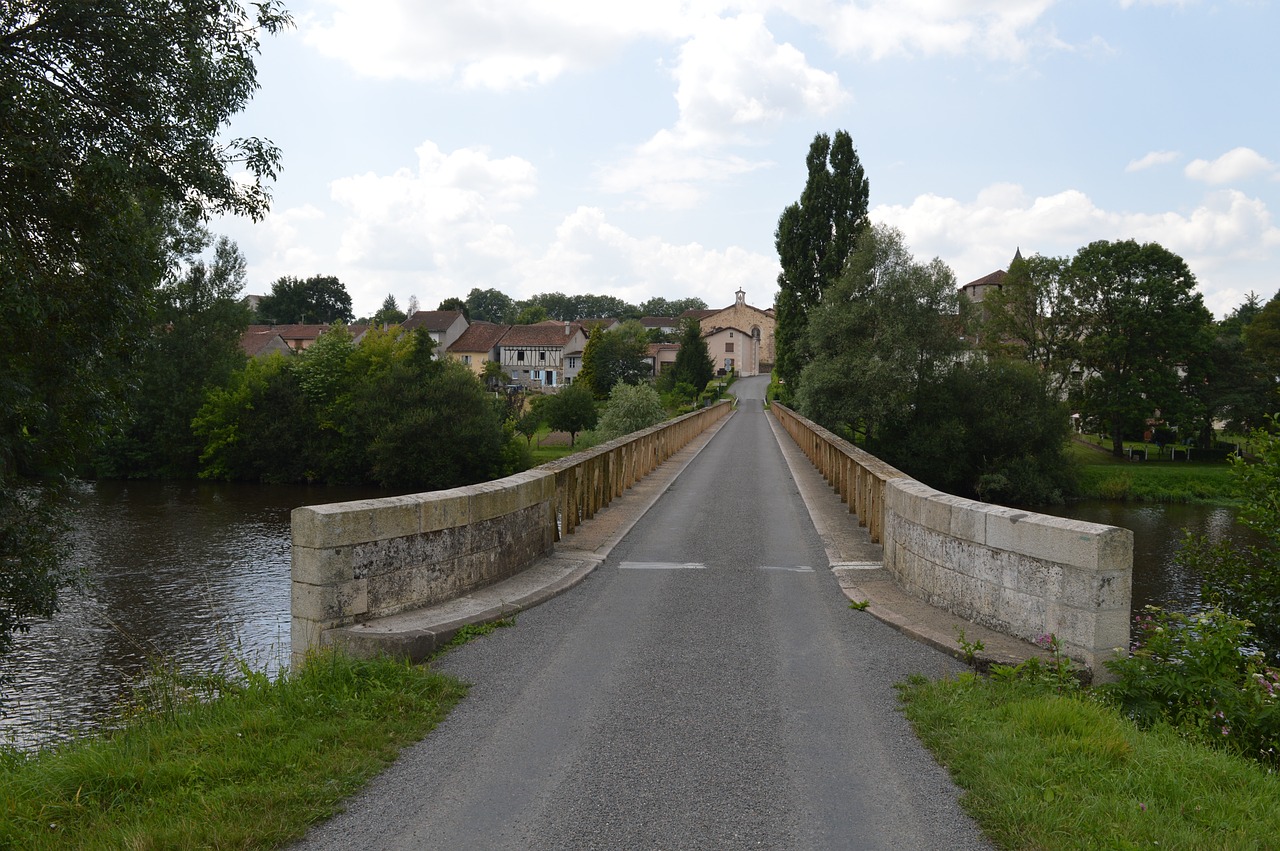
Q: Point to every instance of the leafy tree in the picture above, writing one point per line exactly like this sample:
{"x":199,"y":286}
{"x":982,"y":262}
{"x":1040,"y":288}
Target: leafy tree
{"x":1262,"y":337}
{"x":1142,"y":320}
{"x":489,"y":306}
{"x":454,"y":303}
{"x":194,"y":347}
{"x":590,"y":354}
{"x":1225,"y":381}
{"x":631,"y":407}
{"x":573,"y":409}
{"x":1034,"y":317}
{"x":434,"y":426}
{"x":113,"y":115}
{"x":319,"y":300}
{"x":885,"y":333}
{"x":529,"y":421}
{"x":658,"y":306}
{"x":532,"y":315}
{"x":493,"y":375}
{"x":993,"y":429}
{"x":693,"y":364}
{"x":390,"y":312}
{"x":814,"y":237}
{"x":618,"y":355}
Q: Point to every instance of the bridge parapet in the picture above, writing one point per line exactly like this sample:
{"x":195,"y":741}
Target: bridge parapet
{"x":354,"y":562}
{"x":1017,"y":572}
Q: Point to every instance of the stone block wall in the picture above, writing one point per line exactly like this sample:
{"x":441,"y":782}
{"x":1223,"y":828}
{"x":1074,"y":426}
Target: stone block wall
{"x":355,"y":561}
{"x":1018,"y":572}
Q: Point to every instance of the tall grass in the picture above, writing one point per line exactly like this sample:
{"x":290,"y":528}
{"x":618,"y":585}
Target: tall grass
{"x":1101,"y":476}
{"x":1043,"y":770}
{"x":223,"y":762}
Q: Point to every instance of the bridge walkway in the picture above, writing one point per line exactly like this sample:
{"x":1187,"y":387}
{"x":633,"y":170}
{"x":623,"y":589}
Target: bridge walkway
{"x":707,"y":686}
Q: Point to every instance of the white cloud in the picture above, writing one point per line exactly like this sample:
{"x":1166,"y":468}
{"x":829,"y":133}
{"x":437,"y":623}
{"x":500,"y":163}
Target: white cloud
{"x":733,"y":80}
{"x":1229,"y":240}
{"x":877,"y":29}
{"x":1155,"y":158}
{"x":496,"y":44}
{"x":1236,"y":164}
{"x":589,"y":254}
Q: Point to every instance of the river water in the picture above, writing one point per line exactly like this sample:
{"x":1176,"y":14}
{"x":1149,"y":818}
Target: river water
{"x":196,"y":574}
{"x":190,"y":573}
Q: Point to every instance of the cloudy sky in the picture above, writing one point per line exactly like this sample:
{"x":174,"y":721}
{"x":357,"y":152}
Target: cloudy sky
{"x":647,"y":149}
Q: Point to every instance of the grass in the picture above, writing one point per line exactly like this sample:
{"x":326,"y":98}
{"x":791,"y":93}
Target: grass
{"x":1042,"y":771}
{"x":1102,"y":476}
{"x":218,"y":763}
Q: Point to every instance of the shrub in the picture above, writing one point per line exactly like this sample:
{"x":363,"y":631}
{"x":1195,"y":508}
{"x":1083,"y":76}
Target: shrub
{"x":1198,"y":674}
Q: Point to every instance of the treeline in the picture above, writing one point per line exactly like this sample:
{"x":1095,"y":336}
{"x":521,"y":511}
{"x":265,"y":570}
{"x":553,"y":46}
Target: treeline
{"x":322,"y":299}
{"x":978,"y":399}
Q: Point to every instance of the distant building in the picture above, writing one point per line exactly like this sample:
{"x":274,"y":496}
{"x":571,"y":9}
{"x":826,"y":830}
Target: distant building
{"x":444,"y":326}
{"x":739,"y":337}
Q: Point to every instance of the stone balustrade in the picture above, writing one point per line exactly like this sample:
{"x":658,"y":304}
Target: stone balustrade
{"x":1017,"y":572}
{"x":358,"y":561}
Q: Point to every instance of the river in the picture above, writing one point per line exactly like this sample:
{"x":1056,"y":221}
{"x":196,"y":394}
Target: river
{"x":196,"y":574}
{"x":193,"y":574}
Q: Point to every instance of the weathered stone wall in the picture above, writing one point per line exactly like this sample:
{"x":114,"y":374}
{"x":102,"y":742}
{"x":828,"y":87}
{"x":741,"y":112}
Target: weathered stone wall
{"x":1018,"y":572}
{"x":355,"y":561}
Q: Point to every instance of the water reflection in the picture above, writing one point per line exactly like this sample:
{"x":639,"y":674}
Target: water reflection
{"x":189,"y":573}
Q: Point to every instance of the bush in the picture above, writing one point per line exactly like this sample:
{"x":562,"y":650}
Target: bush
{"x":1198,"y":674}
{"x":631,"y":407}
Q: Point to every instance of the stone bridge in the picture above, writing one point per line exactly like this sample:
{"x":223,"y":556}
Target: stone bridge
{"x":402,"y":574}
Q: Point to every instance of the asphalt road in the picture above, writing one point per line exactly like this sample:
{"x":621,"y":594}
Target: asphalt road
{"x":707,"y":687}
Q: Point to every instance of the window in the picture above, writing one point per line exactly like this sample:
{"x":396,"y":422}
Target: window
{"x":466,"y":359}
{"x":728,"y":348}
{"x":542,"y":356}
{"x":520,"y":356}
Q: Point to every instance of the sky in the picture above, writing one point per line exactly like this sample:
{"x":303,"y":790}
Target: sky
{"x":647,"y":149}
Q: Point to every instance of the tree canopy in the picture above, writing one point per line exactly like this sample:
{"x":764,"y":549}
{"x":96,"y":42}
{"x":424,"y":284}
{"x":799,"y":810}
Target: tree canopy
{"x":113,"y":115}
{"x":318,"y":300}
{"x":814,"y":237}
{"x":1142,"y":320}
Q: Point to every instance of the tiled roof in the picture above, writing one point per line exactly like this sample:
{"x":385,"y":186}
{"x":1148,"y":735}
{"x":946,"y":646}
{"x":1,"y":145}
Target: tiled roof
{"x":659,"y":321}
{"x":257,"y":338}
{"x":479,"y":337}
{"x":292,"y":332}
{"x":995,"y":277}
{"x":699,"y":314}
{"x":438,"y":321}
{"x":543,"y":334}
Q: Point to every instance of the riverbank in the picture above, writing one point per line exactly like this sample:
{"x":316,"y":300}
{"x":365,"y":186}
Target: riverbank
{"x":223,"y":762}
{"x":1103,"y":476}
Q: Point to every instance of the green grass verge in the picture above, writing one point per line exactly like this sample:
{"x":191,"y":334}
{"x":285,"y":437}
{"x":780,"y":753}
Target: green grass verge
{"x":1102,"y":476}
{"x":1045,"y":771}
{"x":251,"y":767}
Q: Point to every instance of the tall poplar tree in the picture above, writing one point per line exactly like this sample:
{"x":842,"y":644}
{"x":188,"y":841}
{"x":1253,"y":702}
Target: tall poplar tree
{"x":814,"y":237}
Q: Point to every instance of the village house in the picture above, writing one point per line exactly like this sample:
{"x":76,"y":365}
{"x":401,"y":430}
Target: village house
{"x":535,"y":355}
{"x":478,"y":345}
{"x":262,"y":340}
{"x":444,"y":326}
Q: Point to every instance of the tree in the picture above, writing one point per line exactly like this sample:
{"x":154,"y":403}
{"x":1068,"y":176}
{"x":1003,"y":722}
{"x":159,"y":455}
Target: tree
{"x":390,"y":312}
{"x":590,"y":354}
{"x":1143,"y":319}
{"x":319,"y":300}
{"x":618,"y":355}
{"x":489,"y":306}
{"x":658,"y":306}
{"x":454,"y":303}
{"x":1033,"y":316}
{"x":884,"y":334}
{"x":814,"y":237}
{"x":113,"y":115}
{"x":532,"y":315}
{"x":573,"y":409}
{"x":194,"y":346}
{"x":1262,"y":337}
{"x":693,"y":364}
{"x":631,"y":407}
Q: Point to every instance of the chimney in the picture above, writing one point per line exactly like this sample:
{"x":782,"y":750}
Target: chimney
{"x":566,"y":329}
